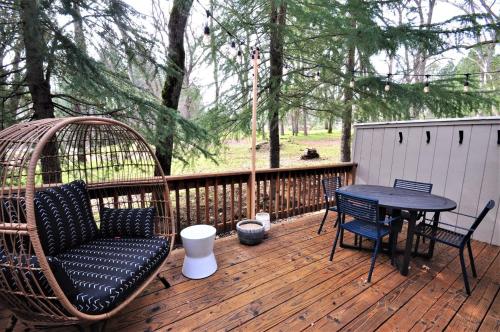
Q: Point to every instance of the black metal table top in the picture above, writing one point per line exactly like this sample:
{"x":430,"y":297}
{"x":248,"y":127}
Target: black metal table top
{"x":402,"y":199}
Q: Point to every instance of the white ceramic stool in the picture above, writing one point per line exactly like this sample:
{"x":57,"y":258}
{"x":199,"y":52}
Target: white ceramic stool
{"x":198,"y":242}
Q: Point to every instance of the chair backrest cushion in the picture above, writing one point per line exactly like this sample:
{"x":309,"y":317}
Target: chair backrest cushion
{"x":138,"y":223}
{"x":64,"y":217}
{"x":358,"y":207}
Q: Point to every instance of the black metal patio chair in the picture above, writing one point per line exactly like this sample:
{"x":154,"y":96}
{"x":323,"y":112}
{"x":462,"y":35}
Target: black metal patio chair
{"x":405,"y":215}
{"x":456,"y":239}
{"x":365,"y":223}
{"x":330,"y":185}
{"x":415,"y":186}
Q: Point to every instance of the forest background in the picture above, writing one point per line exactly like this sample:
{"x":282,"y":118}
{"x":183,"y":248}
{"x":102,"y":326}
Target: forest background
{"x":179,"y":71}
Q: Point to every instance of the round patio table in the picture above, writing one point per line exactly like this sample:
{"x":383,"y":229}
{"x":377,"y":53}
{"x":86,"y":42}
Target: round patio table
{"x":398,"y":199}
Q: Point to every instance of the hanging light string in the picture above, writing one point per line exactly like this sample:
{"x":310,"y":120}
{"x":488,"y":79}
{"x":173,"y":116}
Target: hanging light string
{"x":235,"y":41}
{"x":236,"y":51}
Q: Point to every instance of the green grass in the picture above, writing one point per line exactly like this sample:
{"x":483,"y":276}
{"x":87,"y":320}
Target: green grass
{"x":236,"y":154}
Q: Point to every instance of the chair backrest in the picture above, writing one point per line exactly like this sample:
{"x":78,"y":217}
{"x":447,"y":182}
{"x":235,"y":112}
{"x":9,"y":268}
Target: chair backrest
{"x":358,"y":207}
{"x":490,"y":205}
{"x":330,"y":185}
{"x":413,"y":185}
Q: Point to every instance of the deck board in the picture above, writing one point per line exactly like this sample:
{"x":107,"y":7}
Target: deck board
{"x":288,"y":284}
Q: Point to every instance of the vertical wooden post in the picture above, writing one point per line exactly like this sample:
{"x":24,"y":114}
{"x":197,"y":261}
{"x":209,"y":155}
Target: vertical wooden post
{"x":255,"y":60}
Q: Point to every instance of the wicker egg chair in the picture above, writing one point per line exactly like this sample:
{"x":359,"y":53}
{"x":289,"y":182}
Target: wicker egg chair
{"x":40,"y":160}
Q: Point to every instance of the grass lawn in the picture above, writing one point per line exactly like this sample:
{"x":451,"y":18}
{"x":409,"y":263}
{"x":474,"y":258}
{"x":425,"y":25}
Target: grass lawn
{"x":236,"y":154}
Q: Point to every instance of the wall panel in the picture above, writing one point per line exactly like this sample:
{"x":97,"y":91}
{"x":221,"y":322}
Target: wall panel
{"x":467,"y":172}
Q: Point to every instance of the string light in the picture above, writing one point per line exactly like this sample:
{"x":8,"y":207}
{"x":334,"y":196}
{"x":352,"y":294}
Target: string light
{"x":206,"y":30}
{"x":466,"y":83}
{"x":352,"y":83}
{"x":206,"y":35}
{"x":234,"y":49}
{"x":387,"y":86}
{"x":317,"y":77}
{"x":236,"y":52}
{"x":426,"y":86}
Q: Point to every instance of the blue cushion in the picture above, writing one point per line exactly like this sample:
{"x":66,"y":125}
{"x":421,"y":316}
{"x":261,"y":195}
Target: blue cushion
{"x":136,"y":223}
{"x":64,"y":217}
{"x":106,"y":271}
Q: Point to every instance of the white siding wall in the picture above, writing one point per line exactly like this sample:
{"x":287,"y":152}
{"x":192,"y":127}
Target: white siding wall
{"x":468,"y":173}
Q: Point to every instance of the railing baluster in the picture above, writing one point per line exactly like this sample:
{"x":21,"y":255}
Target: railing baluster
{"x":177,"y":209}
{"x":232,"y":203}
{"x":188,"y":204}
{"x":257,"y":204}
{"x":277,"y":196}
{"x":197,"y":198}
{"x":207,"y":203}
{"x":224,"y":204}
{"x":240,"y":199}
{"x":264,"y":195}
{"x":216,"y":202}
{"x":288,"y":184}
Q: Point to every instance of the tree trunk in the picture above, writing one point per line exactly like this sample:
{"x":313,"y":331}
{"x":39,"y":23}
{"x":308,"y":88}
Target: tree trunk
{"x":39,"y":84}
{"x":278,"y":14}
{"x":304,"y":113}
{"x":345,"y":143}
{"x":173,"y":82}
{"x":82,"y":45}
{"x":330,"y":124}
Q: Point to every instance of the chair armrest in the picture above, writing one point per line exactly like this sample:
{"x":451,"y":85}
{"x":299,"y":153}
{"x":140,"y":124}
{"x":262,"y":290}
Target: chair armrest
{"x":455,"y":226}
{"x":462,"y":214}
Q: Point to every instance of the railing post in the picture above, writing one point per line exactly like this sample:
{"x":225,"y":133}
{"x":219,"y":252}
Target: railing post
{"x":353,"y":173}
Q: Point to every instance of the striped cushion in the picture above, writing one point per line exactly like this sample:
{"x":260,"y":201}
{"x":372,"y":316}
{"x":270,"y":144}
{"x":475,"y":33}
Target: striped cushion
{"x":17,"y":276}
{"x":106,"y":271}
{"x":137,"y":223}
{"x":64,"y":217}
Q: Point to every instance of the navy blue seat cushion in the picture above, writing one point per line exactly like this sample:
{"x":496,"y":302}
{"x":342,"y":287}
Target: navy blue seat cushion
{"x":136,"y":223}
{"x":105,"y":271}
{"x":365,"y":228}
{"x":64,"y":217}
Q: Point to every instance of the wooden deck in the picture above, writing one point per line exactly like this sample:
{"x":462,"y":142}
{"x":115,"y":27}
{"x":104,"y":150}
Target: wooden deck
{"x":288,"y":284}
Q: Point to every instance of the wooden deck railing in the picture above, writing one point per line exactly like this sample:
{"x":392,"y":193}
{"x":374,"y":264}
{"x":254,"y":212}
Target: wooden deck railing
{"x":221,"y":200}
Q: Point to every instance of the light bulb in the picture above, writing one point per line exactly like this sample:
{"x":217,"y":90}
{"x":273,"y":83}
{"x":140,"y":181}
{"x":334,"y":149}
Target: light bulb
{"x":387,"y":87}
{"x":466,"y":83}
{"x":351,"y":83}
{"x":206,"y":35}
{"x":426,"y":87}
{"x":234,"y":50}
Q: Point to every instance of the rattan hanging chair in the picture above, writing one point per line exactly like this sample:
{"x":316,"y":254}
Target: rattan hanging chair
{"x":90,"y":169}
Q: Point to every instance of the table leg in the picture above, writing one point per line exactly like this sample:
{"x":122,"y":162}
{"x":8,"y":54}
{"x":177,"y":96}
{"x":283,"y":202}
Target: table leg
{"x":435,"y":222}
{"x":409,"y":243}
{"x":393,"y":237}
